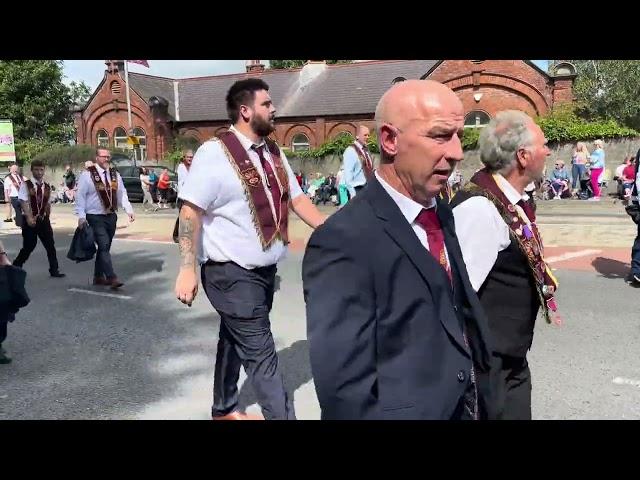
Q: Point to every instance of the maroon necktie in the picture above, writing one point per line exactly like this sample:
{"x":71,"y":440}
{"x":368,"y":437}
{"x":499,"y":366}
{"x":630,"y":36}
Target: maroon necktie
{"x":365,"y":152}
{"x":429,"y":221}
{"x":38,"y":195}
{"x":272,"y":183}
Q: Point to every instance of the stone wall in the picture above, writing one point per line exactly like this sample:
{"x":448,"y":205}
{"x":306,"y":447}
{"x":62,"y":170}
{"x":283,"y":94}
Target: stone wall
{"x":616,"y":150}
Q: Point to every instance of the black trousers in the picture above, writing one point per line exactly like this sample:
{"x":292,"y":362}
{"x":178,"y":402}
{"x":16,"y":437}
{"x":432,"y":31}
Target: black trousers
{"x":243,"y":298}
{"x":104,"y":228}
{"x":635,"y":255}
{"x":512,"y":387}
{"x":30,"y":236}
{"x":20,"y":220}
{"x":176,"y":227}
{"x":4,"y":319}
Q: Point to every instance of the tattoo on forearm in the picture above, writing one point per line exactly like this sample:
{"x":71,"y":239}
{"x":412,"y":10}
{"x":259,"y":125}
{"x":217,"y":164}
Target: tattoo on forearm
{"x":186,"y":239}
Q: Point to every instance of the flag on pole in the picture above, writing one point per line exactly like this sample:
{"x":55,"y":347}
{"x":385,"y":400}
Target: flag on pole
{"x":144,"y":63}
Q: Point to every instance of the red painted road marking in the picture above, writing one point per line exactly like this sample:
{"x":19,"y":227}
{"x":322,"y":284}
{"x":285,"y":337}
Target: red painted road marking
{"x":606,"y":261}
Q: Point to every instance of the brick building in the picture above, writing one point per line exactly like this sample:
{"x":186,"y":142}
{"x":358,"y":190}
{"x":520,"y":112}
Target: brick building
{"x":314,"y":103}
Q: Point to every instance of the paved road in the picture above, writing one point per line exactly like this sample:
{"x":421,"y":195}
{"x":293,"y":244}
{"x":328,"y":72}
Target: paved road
{"x":142,"y":354}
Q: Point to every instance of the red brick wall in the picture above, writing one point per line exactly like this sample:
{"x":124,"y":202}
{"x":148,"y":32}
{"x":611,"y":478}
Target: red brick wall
{"x":494,"y":100}
{"x":108,"y":111}
{"x":504,"y":84}
{"x":507,"y":84}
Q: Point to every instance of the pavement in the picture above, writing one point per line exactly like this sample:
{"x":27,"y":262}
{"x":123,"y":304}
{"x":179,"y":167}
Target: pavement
{"x":81,"y":352}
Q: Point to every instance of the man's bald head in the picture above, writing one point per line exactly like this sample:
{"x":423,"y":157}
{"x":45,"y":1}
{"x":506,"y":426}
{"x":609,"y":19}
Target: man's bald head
{"x":412,"y":99}
{"x":420,"y":124}
{"x":363,"y":134}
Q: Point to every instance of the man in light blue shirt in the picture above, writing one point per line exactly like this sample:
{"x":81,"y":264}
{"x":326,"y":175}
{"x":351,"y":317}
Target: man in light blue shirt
{"x":357,"y":163}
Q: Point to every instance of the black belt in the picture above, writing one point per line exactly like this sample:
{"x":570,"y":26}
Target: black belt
{"x":210,"y":262}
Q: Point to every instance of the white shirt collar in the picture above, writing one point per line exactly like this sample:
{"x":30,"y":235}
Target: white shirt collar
{"x":410,"y":208}
{"x":35,"y":182}
{"x":245,"y":141}
{"x":511,"y":193}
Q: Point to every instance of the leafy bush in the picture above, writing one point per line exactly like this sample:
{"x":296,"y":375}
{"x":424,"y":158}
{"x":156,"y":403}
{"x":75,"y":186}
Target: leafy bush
{"x":470,"y":138}
{"x":27,"y":150}
{"x":335,"y":146}
{"x":180,"y":142}
{"x":76,"y":155}
{"x":563,"y":125}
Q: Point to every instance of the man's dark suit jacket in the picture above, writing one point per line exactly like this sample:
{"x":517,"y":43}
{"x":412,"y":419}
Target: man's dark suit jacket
{"x":384,"y":324}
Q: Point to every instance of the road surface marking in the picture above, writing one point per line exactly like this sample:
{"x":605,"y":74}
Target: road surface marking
{"x":626,"y":381}
{"x":101,"y":294}
{"x":570,"y":255}
{"x":143,"y":240}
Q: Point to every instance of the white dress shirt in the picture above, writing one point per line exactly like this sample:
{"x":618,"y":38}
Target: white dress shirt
{"x":9,"y":187}
{"x":183,"y":173}
{"x":410,"y":210}
{"x":23,"y":194}
{"x":353,"y":175}
{"x":482,"y":233}
{"x":228,"y":233}
{"x":88,"y":200}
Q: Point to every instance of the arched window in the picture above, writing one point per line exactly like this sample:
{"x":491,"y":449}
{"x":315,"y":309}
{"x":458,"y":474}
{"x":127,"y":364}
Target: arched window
{"x":120,"y":139}
{"x":141,"y":153}
{"x":102,"y":138}
{"x":299,"y":142}
{"x":476,"y":119}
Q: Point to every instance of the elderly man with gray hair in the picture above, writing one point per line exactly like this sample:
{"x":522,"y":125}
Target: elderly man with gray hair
{"x":502,"y":250}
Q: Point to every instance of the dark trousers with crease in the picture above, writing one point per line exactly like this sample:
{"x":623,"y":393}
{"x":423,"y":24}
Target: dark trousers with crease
{"x":30,"y":236}
{"x":17,"y":208}
{"x":243,"y":299}
{"x":512,"y":387}
{"x":104,"y":228}
{"x":635,"y":255}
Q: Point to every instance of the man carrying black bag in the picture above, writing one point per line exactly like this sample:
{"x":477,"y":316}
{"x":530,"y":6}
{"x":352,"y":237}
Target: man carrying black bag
{"x":83,"y":245}
{"x":633,"y":209}
{"x":13,"y":297}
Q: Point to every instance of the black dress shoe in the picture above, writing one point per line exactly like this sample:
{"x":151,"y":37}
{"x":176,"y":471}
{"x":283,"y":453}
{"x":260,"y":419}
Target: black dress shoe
{"x":4,"y":360}
{"x":57,"y":274}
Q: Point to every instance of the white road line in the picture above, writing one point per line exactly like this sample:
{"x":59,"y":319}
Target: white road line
{"x":626,"y":381}
{"x":569,"y":255}
{"x":101,"y":294}
{"x":142,"y":240}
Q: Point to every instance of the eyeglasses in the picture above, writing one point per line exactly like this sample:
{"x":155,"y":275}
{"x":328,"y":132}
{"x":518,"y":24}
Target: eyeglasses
{"x":108,"y":157}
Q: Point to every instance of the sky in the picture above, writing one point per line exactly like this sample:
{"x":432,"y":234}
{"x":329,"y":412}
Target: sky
{"x":92,"y":71}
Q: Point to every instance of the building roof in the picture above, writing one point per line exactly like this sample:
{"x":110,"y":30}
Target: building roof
{"x":346,"y":89}
{"x":148,"y":86}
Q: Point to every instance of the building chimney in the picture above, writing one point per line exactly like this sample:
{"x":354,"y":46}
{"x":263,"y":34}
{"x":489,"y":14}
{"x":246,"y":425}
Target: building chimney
{"x":114,"y":66}
{"x":254,"y":66}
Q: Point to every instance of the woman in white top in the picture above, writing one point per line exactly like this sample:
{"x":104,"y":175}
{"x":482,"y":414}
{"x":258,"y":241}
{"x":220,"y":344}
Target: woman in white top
{"x":146,"y":184}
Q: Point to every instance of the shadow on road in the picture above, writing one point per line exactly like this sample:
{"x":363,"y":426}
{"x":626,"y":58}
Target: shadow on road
{"x":296,"y":370}
{"x":609,"y":268}
{"x":80,"y":356}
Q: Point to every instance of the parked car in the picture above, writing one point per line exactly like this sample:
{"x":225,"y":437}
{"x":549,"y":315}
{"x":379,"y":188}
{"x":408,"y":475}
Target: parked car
{"x":131,"y":178}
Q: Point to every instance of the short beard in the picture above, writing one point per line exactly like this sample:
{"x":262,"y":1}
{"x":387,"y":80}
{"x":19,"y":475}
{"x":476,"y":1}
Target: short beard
{"x":261,"y":127}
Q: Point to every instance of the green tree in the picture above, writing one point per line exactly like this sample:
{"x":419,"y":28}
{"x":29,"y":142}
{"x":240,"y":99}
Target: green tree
{"x":608,"y":89}
{"x":33,"y":96}
{"x":79,"y":93}
{"x":281,"y":64}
